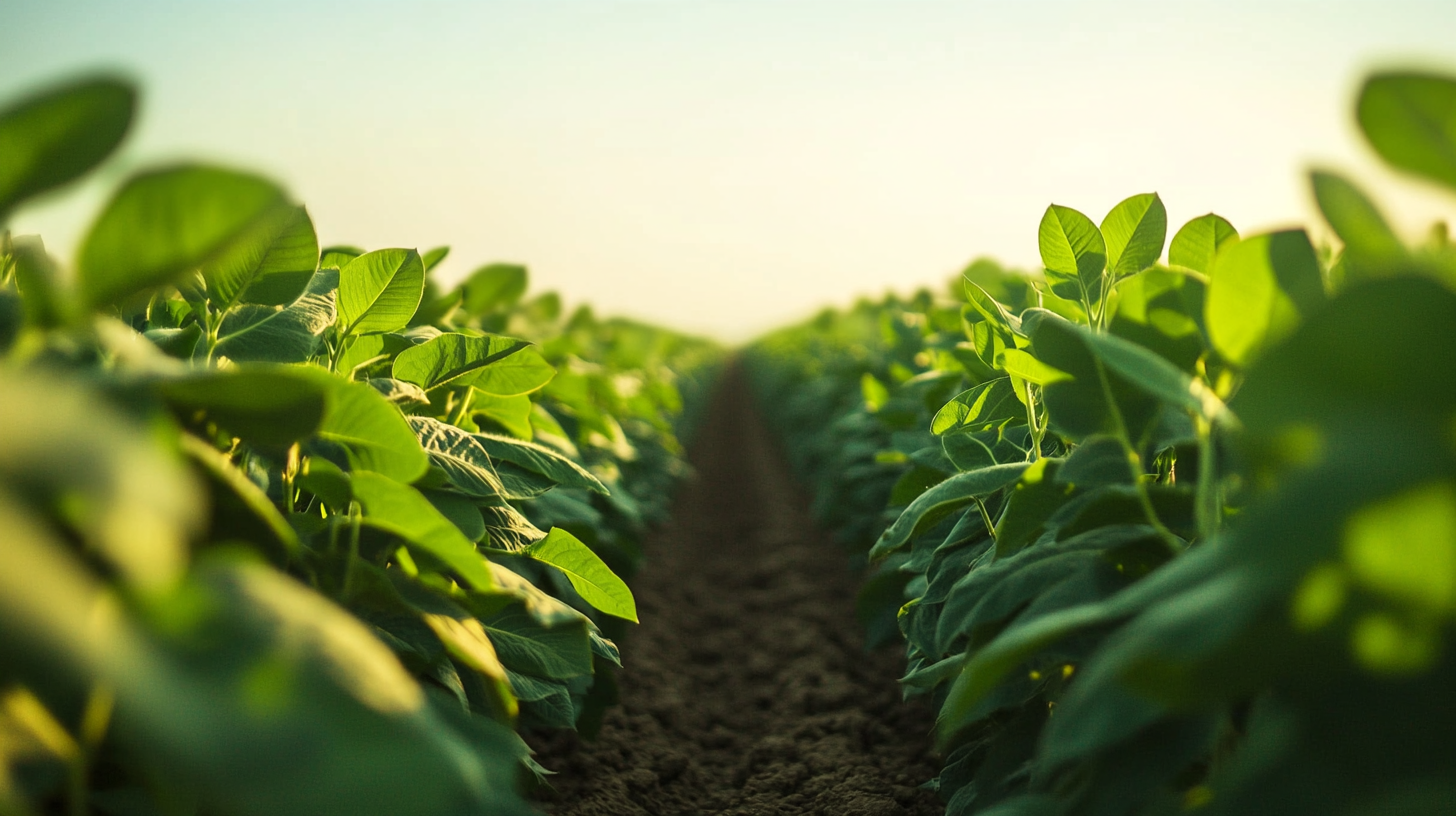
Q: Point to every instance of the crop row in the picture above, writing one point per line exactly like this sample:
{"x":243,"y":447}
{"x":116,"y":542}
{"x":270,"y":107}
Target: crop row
{"x":1163,"y":537}
{"x":291,"y":530}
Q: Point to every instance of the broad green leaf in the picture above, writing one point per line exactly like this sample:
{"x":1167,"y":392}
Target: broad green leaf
{"x":325,"y":480}
{"x":592,"y":579}
{"x":1005,"y":324}
{"x":1259,"y":290}
{"x":1023,"y":365}
{"x":1355,"y":219}
{"x":361,"y":350}
{"x":986,"y":406}
{"x":271,"y":406}
{"x":957,"y":491}
{"x":1134,"y":232}
{"x":511,"y":413}
{"x":56,"y":135}
{"x":1074,"y":254}
{"x":380,"y":290}
{"x":488,"y":363}
{"x":1410,"y":119}
{"x":526,"y":645}
{"x":1331,"y":369}
{"x":254,"y":333}
{"x":461,"y":511}
{"x":403,"y":394}
{"x":539,"y":459}
{"x":1078,"y":405}
{"x":466,"y":641}
{"x":1198,"y":242}
{"x":402,"y":510}
{"x":270,"y":264}
{"x":1154,"y":375}
{"x":460,"y":455}
{"x":372,"y":434}
{"x":338,"y":256}
{"x":164,"y":223}
{"x":493,"y":286}
{"x":1037,"y":494}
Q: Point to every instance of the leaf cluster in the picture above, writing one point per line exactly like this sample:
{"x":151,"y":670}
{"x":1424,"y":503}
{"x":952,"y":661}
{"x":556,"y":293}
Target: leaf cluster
{"x":293,"y":529}
{"x":1163,"y":536}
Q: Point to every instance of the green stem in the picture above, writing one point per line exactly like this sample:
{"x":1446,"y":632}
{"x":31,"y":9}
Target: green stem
{"x":1134,"y":462}
{"x":1208,"y":506}
{"x":986,"y":517}
{"x":462,"y":407}
{"x":1036,"y":432}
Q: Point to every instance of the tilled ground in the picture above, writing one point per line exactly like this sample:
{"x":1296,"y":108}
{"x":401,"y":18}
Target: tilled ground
{"x":746,"y":689}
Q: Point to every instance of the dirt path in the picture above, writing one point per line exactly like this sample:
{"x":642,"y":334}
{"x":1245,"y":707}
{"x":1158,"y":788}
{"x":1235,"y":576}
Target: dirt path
{"x":746,"y":689}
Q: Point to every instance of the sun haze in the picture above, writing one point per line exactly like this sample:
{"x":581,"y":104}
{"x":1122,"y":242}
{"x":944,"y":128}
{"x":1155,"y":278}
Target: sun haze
{"x":726,"y":167}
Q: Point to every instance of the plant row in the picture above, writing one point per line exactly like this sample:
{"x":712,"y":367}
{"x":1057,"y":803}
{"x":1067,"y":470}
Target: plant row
{"x":291,"y":530}
{"x":1163,"y":536}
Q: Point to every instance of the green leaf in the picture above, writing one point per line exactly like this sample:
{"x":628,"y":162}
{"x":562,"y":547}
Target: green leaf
{"x":1135,"y":231}
{"x":1074,"y":254}
{"x":271,"y":264}
{"x":1259,"y":290}
{"x":511,"y":413}
{"x":268,"y":334}
{"x":539,"y":459}
{"x":54,"y":136}
{"x":589,"y":575}
{"x":1154,"y":375}
{"x":526,"y":645}
{"x":1198,"y":242}
{"x":493,"y":286}
{"x":461,"y":511}
{"x":988,"y":405}
{"x":1410,"y":119}
{"x":402,"y":510}
{"x":488,"y":363}
{"x":338,"y":256}
{"x":372,"y":434}
{"x":164,"y":223}
{"x":272,"y":407}
{"x":403,"y":394}
{"x":1355,"y":219}
{"x":380,"y":290}
{"x":1023,"y":365}
{"x":324,"y":479}
{"x":932,"y":505}
{"x":460,"y":455}
{"x":1331,"y":369}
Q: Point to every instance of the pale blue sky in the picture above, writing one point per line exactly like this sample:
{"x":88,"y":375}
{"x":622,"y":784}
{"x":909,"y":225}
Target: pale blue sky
{"x":728,"y":166}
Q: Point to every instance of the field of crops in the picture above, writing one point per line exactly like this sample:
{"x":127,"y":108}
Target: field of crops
{"x":1167,"y":526}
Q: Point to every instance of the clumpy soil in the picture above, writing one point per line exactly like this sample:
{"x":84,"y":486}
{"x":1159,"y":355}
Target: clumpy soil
{"x":747,"y":689}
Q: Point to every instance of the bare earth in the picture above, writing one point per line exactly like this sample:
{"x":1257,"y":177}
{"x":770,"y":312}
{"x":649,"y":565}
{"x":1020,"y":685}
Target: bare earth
{"x":747,"y":689}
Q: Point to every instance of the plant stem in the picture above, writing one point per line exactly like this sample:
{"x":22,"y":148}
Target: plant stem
{"x":1134,"y":461}
{"x":1208,"y":506}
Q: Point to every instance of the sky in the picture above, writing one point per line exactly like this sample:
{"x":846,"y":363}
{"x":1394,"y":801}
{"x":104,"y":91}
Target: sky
{"x":728,"y":167}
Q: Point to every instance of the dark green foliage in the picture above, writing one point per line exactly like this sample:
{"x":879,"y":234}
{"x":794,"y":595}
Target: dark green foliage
{"x":1222,"y":574}
{"x":282,"y":535}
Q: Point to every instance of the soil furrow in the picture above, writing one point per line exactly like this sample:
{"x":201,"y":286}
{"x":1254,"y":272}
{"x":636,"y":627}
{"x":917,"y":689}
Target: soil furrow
{"x":747,"y":689}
